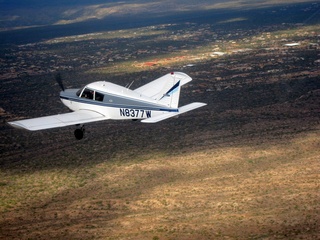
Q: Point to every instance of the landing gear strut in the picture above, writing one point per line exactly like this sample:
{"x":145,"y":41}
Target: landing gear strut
{"x":79,"y":132}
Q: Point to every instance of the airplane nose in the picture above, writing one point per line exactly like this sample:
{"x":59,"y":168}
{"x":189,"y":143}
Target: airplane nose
{"x":62,"y":95}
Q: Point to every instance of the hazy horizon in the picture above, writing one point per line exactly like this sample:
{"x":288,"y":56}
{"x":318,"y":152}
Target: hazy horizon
{"x":22,"y":14}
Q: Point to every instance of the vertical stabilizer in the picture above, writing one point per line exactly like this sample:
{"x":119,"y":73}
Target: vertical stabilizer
{"x":166,"y":89}
{"x":170,"y":93}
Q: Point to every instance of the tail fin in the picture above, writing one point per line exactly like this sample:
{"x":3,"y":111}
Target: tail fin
{"x":170,"y":93}
{"x":166,"y":89}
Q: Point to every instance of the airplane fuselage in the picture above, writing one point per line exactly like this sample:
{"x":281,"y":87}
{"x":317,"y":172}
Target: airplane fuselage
{"x":113,"y":101}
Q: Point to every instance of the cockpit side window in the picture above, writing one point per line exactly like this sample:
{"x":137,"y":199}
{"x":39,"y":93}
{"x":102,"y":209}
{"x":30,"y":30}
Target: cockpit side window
{"x":90,"y":94}
{"x":87,"y":93}
{"x":99,"y":96}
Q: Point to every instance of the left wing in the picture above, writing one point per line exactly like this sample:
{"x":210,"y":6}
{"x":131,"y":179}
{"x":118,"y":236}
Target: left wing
{"x":59,"y":120}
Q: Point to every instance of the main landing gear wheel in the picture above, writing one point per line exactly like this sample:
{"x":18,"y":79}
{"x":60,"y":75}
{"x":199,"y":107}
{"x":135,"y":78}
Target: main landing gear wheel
{"x":78,"y":133}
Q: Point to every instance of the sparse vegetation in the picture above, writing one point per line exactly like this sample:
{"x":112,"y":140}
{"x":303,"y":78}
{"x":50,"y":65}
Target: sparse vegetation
{"x":244,"y":167}
{"x":242,"y":174}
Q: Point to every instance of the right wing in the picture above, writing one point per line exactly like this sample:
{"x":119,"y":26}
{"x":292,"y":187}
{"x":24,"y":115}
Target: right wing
{"x":182,"y":109}
{"x":59,"y":120}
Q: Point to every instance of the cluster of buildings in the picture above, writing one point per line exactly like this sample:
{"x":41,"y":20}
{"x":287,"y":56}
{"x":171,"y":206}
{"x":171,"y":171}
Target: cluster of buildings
{"x":191,"y":40}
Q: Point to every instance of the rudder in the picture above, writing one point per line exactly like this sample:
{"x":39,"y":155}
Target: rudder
{"x":170,"y":93}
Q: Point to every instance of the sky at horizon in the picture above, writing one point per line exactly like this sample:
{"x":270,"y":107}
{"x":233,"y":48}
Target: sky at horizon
{"x":24,"y":14}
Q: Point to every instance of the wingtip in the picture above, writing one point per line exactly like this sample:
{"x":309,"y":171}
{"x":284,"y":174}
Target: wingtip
{"x":17,"y":125}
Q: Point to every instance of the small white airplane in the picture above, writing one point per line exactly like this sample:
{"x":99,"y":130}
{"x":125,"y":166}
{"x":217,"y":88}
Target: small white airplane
{"x":153,"y":102}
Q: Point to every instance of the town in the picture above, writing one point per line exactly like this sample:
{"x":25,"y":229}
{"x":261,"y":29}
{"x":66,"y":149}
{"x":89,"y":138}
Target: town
{"x":154,"y":46}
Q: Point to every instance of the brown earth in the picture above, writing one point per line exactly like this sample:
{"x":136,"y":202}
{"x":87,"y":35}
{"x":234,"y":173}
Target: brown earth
{"x":244,"y":167}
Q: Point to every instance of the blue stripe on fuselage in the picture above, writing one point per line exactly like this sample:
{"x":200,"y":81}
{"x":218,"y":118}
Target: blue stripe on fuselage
{"x":114,"y":105}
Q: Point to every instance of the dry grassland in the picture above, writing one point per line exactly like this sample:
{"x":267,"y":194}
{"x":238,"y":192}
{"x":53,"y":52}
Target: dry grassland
{"x":246,"y":166}
{"x":248,"y":191}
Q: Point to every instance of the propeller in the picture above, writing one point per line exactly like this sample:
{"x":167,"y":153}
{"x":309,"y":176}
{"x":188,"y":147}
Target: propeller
{"x":59,"y":81}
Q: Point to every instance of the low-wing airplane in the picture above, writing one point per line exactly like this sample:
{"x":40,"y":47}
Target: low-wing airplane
{"x":153,"y":102}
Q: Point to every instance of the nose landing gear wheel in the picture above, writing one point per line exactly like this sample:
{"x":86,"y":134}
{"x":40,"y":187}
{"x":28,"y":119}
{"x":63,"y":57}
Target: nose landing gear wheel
{"x":78,"y":133}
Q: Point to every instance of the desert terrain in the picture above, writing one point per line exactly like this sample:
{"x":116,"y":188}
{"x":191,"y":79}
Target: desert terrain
{"x":246,"y":166}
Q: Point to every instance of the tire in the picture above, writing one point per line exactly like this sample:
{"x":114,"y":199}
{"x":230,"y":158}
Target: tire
{"x":78,"y":133}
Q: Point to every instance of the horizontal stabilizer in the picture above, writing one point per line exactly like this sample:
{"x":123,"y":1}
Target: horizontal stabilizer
{"x":59,"y":120}
{"x":183,"y":109}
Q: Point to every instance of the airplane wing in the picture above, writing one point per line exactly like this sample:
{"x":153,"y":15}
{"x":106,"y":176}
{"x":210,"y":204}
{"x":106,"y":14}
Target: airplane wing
{"x":183,"y":109}
{"x":59,"y":120}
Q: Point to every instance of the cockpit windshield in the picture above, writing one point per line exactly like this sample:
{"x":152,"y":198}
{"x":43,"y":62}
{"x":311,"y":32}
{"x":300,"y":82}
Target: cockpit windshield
{"x":79,"y":92}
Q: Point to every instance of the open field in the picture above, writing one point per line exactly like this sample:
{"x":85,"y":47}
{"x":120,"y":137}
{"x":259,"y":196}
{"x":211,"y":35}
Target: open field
{"x":246,"y":166}
{"x":235,"y":192}
{"x":235,"y":187}
{"x":213,"y":187}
